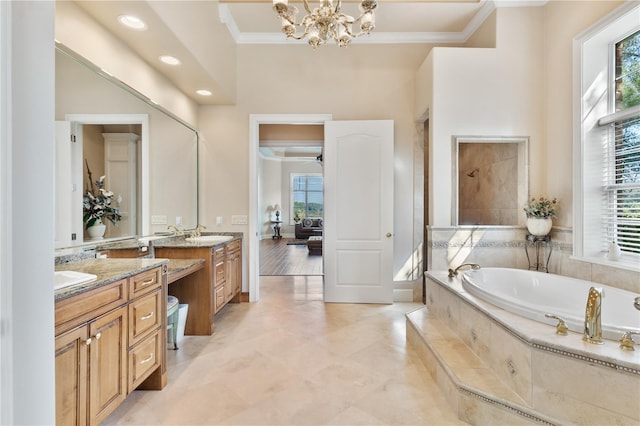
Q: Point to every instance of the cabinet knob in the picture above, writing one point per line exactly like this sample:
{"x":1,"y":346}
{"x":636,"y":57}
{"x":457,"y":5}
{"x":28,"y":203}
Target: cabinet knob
{"x":389,"y":234}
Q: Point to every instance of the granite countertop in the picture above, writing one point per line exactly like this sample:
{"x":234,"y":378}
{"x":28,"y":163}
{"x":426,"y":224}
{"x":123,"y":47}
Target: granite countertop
{"x":107,"y":271}
{"x":181,"y":242}
{"x":178,"y":268}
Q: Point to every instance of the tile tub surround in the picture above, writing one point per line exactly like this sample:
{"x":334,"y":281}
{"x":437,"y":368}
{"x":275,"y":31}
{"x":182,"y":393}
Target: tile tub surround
{"x":558,"y":376}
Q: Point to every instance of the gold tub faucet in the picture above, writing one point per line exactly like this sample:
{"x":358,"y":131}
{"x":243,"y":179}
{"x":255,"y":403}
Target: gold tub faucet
{"x":593,"y":316}
{"x":454,"y":272}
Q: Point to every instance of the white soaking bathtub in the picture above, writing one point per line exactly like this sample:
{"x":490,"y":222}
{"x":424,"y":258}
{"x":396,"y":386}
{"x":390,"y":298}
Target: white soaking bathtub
{"x":533,"y":294}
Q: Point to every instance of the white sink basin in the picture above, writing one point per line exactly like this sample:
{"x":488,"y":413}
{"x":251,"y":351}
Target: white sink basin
{"x":209,"y":239}
{"x":68,"y":278}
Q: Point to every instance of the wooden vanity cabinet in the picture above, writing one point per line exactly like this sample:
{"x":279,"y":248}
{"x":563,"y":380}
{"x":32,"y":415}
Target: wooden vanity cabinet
{"x":108,"y":342}
{"x":91,"y":369}
{"x":209,"y":289}
{"x":233,"y":281}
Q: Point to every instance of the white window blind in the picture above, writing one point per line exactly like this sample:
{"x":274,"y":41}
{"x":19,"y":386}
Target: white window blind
{"x":621,"y":180}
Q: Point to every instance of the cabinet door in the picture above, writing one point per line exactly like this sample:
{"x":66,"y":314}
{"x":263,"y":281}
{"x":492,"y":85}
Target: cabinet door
{"x":107,"y":364}
{"x":71,"y":377}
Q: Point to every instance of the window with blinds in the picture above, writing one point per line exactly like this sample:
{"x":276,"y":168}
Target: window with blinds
{"x":621,"y":159}
{"x":621,"y":184}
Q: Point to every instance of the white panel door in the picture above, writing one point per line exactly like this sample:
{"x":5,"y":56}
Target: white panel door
{"x":358,"y":203}
{"x":64,"y":184}
{"x":120,"y":167}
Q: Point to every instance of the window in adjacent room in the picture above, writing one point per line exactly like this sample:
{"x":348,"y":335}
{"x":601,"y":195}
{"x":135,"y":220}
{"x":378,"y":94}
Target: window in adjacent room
{"x":607,"y":159}
{"x":307,"y":195}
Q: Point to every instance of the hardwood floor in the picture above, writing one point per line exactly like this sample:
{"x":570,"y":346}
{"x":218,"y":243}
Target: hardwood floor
{"x":279,"y":258}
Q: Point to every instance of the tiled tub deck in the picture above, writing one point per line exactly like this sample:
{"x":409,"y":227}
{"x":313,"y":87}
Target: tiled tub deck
{"x":499,"y":368}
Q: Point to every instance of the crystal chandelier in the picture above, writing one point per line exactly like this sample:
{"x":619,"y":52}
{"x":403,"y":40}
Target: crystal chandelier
{"x":325,"y":22}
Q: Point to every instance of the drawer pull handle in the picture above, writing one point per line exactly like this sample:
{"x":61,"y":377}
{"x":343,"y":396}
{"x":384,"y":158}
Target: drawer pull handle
{"x":146,"y":317}
{"x":147,"y":359}
{"x":88,"y":341}
{"x":147,"y":282}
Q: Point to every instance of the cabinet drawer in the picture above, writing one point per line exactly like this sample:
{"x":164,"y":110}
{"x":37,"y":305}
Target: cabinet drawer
{"x":144,"y":314}
{"x":220,"y":297}
{"x":218,"y":253}
{"x":233,"y":246}
{"x":144,"y":358}
{"x":82,"y":307}
{"x":144,"y":282}
{"x":220,"y":272}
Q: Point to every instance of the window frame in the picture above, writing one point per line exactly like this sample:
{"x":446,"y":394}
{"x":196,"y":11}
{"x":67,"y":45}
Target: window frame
{"x":292,"y":177}
{"x":594,"y":88}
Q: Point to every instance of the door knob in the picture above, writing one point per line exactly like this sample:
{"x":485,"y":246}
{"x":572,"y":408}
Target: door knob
{"x":389,"y":234}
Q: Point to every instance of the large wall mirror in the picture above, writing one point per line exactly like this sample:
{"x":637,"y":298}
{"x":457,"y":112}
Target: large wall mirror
{"x":154,"y":173}
{"x":490,"y":180}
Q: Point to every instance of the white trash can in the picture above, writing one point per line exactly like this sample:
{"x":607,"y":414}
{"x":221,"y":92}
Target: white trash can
{"x":183,"y":309}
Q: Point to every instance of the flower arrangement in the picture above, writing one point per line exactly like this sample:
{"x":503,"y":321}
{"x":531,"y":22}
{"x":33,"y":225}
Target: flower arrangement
{"x":96,"y":203}
{"x":541,"y":207}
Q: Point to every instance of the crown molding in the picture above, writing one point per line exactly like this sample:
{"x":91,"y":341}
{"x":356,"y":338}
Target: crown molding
{"x":381,"y":37}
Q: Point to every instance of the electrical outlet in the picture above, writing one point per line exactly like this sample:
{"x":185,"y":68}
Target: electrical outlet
{"x":218,"y":220}
{"x":239,"y":219}
{"x":178,"y":220}
{"x":158,"y":219}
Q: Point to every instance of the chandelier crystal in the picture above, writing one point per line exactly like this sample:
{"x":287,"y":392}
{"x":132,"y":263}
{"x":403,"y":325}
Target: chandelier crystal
{"x":325,"y":22}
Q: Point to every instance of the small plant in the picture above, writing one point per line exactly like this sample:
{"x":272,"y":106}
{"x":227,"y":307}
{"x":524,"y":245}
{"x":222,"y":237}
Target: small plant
{"x":96,"y":203}
{"x":541,"y":207}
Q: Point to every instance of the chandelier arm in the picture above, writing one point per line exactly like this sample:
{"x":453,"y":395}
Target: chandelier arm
{"x":301,"y":36}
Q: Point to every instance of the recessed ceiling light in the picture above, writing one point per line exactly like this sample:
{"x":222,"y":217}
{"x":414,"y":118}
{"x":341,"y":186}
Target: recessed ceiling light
{"x":132,"y":22}
{"x":203,"y":92}
{"x":170,"y":60}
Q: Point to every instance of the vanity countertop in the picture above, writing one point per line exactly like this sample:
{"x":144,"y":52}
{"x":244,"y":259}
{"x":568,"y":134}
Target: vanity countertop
{"x":183,"y":243}
{"x":107,"y":271}
{"x":178,"y":268}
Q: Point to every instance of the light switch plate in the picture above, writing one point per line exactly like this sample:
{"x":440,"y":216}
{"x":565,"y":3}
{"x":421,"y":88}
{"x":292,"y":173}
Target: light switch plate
{"x":239,"y":219}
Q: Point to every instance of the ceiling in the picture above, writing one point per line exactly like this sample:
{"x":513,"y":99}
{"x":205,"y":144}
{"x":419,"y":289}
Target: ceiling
{"x":202,"y":33}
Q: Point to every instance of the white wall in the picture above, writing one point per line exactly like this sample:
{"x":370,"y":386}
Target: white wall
{"x":483,"y":92}
{"x":79,"y":32}
{"x":27,"y":388}
{"x":270,"y":188}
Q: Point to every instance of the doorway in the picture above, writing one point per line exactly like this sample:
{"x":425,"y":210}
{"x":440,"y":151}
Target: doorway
{"x":291,"y":194}
{"x":68,"y":218}
{"x":264,"y":208}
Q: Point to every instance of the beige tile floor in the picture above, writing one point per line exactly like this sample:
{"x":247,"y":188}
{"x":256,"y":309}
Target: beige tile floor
{"x":291,"y":359}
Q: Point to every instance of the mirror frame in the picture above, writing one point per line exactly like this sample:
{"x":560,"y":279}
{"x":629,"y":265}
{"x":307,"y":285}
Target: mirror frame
{"x":456,"y":141}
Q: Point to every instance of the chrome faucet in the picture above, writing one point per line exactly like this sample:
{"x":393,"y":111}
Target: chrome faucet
{"x":636,"y":303}
{"x":175,"y":230}
{"x":196,"y":231}
{"x":592,"y":316}
{"x":454,"y":272}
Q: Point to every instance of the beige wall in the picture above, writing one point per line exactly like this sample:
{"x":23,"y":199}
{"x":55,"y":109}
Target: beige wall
{"x":296,"y":79}
{"x":563,"y":21}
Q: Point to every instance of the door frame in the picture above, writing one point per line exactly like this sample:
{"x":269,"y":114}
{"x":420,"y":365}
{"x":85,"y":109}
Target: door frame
{"x":254,"y":195}
{"x":143,"y":121}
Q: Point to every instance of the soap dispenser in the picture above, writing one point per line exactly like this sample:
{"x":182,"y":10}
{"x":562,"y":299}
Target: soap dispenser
{"x":614,"y":251}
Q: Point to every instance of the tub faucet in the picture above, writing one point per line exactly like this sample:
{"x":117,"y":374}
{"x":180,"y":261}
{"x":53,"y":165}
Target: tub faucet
{"x":592,"y":316}
{"x":636,"y":303}
{"x":454,"y":272}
